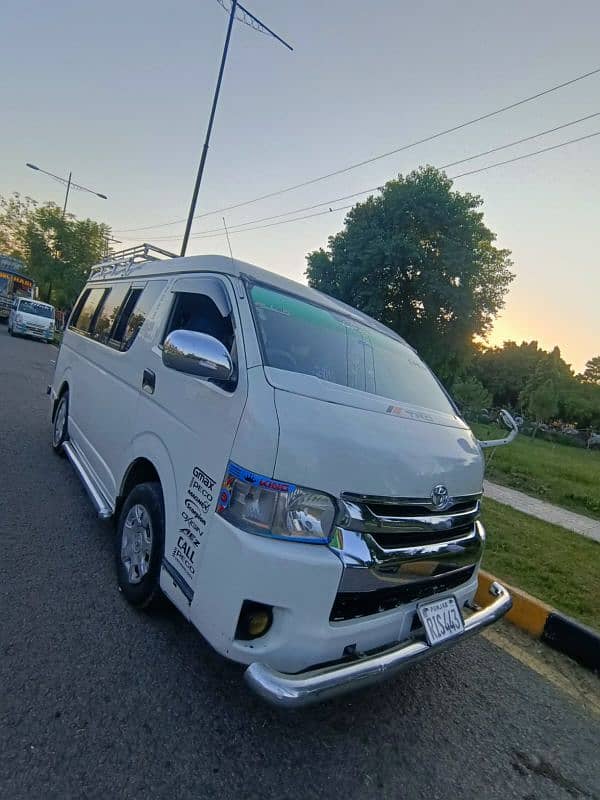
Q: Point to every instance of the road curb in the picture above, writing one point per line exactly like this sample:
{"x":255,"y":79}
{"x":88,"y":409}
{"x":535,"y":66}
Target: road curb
{"x":546,"y":624}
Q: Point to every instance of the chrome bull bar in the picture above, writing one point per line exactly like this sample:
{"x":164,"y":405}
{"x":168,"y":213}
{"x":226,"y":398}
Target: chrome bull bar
{"x":313,"y":686}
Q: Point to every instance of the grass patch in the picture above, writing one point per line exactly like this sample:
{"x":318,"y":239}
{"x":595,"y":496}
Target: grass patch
{"x":563,"y":475}
{"x":557,"y":566}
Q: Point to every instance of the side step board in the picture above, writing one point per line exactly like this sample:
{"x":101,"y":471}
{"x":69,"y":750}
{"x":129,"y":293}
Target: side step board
{"x":102,"y":506}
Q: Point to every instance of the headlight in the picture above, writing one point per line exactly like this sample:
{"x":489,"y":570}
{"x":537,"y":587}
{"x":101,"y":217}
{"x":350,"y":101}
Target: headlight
{"x":261,"y":505}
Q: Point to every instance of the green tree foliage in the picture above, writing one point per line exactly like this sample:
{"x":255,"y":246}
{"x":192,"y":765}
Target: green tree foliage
{"x":542,"y":390}
{"x":542,"y":403}
{"x":591,"y":373}
{"x":579,"y":404}
{"x":505,"y":370}
{"x":513,"y":372}
{"x":471,"y":396}
{"x":420,"y":259}
{"x":58,"y":251}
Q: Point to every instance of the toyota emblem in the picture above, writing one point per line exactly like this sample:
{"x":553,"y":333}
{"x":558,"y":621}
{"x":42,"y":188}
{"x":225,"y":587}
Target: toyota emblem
{"x":440,"y":497}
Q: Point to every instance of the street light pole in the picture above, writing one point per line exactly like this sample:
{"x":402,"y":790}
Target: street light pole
{"x":69,"y":184}
{"x":256,"y":24}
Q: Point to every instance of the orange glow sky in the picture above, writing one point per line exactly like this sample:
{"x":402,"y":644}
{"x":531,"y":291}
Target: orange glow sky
{"x":125,"y":107}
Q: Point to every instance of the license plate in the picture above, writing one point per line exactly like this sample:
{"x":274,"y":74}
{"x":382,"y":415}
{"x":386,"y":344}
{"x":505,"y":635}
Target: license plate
{"x":441,"y":619}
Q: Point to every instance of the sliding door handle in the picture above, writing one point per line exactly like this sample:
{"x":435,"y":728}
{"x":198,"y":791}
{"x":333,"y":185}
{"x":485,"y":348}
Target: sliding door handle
{"x":148,"y":381}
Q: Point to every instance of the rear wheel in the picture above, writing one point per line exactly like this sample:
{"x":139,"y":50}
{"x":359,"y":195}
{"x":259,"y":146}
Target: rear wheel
{"x":60,"y":428}
{"x":140,"y":544}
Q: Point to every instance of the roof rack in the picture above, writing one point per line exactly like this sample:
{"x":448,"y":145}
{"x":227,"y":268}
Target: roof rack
{"x":123,"y":260}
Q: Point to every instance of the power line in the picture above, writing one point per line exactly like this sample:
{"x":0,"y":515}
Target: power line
{"x":374,"y":158}
{"x":527,"y":155}
{"x":237,"y":228}
{"x":453,"y":177}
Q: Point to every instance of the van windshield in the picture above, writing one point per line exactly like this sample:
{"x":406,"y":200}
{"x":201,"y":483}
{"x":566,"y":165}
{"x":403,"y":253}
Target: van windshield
{"x":39,"y":309}
{"x":299,"y":336}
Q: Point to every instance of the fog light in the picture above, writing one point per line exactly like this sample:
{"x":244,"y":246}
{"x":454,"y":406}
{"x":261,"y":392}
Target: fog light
{"x":255,"y":620}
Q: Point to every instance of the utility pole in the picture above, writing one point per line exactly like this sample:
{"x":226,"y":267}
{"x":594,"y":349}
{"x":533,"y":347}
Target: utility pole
{"x":67,"y":194}
{"x":249,"y":19}
{"x":69,"y":184}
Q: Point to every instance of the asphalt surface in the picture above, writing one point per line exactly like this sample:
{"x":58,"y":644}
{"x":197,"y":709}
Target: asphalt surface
{"x":100,"y":701}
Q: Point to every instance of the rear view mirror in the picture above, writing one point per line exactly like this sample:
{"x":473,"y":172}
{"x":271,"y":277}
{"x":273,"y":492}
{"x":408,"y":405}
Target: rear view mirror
{"x":197,"y":354}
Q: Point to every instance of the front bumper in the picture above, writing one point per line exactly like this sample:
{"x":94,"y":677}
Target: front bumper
{"x":36,"y":333}
{"x":312,"y":686}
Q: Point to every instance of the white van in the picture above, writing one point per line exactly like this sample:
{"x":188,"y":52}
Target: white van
{"x":29,"y":317}
{"x":283,"y":468}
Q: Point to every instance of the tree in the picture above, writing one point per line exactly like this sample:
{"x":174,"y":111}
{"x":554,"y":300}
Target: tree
{"x":542,"y":403}
{"x":471,"y":396}
{"x":506,"y":370}
{"x":58,"y":250}
{"x":542,"y":391}
{"x":419,"y":258}
{"x":591,"y":373}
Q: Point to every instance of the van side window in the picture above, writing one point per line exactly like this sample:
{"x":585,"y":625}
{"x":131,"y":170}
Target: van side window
{"x":197,"y":312}
{"x":124,"y":317}
{"x":135,"y":309}
{"x":86,"y":309}
{"x":108,"y":312}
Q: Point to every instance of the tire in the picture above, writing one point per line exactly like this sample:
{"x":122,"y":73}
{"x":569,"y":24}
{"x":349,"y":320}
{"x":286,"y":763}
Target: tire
{"x":140,"y":542}
{"x":60,"y":425}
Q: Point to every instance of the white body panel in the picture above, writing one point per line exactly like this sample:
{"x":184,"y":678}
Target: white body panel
{"x":287,"y":426}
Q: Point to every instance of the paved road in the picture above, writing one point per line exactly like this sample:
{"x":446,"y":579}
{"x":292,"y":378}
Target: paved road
{"x":99,"y":701}
{"x":578,"y":523}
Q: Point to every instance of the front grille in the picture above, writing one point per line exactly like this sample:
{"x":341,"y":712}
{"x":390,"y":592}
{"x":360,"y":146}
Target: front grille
{"x":351,"y":605}
{"x":387,"y":509}
{"x":390,"y":540}
{"x":403,"y":523}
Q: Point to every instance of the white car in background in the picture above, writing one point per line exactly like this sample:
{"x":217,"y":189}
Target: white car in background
{"x":31,"y":318}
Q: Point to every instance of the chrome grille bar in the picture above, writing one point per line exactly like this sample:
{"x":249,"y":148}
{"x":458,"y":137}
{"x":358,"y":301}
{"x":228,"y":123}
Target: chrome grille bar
{"x":361,"y":515}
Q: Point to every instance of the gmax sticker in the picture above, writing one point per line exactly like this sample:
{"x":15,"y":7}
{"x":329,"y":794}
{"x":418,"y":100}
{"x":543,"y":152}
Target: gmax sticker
{"x":209,"y":483}
{"x":197,"y":503}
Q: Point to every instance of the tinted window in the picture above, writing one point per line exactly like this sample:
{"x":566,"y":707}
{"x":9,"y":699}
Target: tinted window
{"x":197,"y":312}
{"x":299,"y":336}
{"x":127,"y":309}
{"x":39,"y":309}
{"x":135,"y":310}
{"x":86,"y":309}
{"x":109,"y":311}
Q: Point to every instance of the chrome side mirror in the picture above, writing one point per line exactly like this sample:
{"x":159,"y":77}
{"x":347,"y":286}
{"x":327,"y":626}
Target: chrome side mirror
{"x":508,"y":420}
{"x":197,"y":354}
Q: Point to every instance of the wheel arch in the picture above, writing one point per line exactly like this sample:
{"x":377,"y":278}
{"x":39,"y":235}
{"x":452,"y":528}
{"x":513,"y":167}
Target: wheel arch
{"x":148,"y":462}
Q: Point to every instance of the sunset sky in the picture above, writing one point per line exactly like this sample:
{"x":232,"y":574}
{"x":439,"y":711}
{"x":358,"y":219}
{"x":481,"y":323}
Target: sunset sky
{"x":120,"y":92}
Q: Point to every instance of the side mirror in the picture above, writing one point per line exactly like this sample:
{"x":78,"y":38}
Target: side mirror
{"x":507,"y":419}
{"x":197,"y":354}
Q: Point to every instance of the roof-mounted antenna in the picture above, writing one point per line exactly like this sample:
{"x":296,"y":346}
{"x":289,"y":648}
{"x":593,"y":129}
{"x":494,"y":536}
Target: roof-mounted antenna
{"x":228,"y":240}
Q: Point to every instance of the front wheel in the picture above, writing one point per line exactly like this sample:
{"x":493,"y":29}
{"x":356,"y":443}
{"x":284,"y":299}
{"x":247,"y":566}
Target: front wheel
{"x":140,"y":544}
{"x":60,"y":428}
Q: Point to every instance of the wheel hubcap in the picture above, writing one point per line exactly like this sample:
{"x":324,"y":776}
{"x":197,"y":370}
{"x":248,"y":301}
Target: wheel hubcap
{"x":136,"y":543}
{"x":59,"y":422}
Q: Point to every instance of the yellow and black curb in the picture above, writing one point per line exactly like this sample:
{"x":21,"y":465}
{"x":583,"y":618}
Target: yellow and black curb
{"x":546,"y":624}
